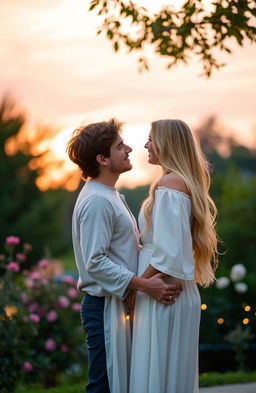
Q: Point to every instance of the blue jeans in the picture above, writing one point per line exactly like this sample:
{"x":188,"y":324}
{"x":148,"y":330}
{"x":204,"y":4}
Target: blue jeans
{"x":92,"y":315}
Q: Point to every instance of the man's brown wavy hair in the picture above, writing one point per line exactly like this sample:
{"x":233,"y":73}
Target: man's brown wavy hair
{"x":89,"y":141}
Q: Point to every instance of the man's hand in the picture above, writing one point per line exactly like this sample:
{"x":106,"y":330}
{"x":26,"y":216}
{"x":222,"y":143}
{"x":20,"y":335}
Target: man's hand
{"x":157,"y":288}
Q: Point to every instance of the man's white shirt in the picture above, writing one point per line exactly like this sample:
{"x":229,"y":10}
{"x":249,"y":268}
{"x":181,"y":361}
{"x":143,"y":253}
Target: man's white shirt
{"x":105,"y":241}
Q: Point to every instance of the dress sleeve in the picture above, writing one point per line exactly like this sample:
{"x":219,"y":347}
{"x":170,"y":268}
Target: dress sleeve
{"x":172,"y":242}
{"x":97,"y":221}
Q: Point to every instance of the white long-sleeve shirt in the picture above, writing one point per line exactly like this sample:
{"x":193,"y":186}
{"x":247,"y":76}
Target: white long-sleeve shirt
{"x":105,"y":241}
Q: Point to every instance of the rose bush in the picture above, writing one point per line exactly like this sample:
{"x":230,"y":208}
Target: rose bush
{"x":228,"y":311}
{"x":39,"y":321}
{"x":14,"y":331}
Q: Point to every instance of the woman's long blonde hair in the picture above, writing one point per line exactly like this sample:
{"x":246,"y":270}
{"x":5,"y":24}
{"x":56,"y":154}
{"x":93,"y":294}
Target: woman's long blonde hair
{"x":178,"y":152}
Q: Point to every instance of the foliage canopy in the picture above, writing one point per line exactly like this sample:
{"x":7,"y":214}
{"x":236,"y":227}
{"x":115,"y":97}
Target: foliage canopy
{"x":176,"y":34}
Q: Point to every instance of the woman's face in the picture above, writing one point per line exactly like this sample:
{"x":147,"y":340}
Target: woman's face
{"x":152,"y":158}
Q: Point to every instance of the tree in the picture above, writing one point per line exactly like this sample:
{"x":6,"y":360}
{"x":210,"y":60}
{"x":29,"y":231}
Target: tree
{"x":176,"y":34}
{"x":37,"y":217}
{"x":210,"y":134}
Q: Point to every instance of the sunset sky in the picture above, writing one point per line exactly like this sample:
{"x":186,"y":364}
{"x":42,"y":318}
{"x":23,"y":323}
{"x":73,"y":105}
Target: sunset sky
{"x":54,"y":65}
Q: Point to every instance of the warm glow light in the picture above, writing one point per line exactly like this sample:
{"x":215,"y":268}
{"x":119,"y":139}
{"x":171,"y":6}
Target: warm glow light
{"x":220,"y":321}
{"x":133,"y":135}
{"x":247,"y":308}
{"x":61,"y":80}
{"x":10,"y":311}
{"x":245,"y":321}
{"x":203,"y":306}
{"x":136,"y":135}
{"x":127,"y":317}
{"x":59,"y":142}
{"x":63,"y":174}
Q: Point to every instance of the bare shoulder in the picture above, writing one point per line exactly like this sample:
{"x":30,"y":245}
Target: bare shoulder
{"x":174,"y":182}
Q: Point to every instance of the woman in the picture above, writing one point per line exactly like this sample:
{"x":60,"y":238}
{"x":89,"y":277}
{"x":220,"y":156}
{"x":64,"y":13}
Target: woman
{"x":177,"y":223}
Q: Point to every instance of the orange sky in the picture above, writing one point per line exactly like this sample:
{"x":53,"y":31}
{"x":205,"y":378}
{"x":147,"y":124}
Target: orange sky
{"x":53,"y":63}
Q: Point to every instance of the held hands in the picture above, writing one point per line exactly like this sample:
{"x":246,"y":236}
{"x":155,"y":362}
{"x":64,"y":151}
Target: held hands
{"x":157,"y":288}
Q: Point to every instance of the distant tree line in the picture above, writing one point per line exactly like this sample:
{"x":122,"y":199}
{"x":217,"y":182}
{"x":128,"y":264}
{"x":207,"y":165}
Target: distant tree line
{"x":40,"y":218}
{"x":44,"y":218}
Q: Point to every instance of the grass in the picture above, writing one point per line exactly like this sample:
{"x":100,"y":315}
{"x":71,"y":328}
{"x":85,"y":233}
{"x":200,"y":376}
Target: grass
{"x":231,"y":377}
{"x":77,"y":388}
{"x":206,"y":379}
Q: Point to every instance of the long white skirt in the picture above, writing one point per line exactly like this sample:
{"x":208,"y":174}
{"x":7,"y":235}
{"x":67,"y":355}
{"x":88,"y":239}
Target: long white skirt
{"x":118,"y":344}
{"x":165,"y":340}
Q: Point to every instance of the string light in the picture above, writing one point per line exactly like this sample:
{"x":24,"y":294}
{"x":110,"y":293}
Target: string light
{"x":247,"y":308}
{"x":203,"y":306}
{"x":220,"y":321}
{"x":245,"y":321}
{"x":127,"y":317}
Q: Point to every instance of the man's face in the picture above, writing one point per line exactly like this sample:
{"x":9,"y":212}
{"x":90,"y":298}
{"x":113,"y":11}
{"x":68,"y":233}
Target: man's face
{"x":119,"y":156}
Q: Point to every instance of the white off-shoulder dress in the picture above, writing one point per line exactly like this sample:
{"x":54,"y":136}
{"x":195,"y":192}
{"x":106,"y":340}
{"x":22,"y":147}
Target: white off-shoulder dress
{"x":165,"y":337}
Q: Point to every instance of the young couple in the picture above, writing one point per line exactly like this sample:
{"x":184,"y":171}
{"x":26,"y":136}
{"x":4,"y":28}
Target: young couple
{"x":179,"y":248}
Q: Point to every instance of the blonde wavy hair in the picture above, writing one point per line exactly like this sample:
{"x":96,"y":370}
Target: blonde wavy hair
{"x":178,"y":152}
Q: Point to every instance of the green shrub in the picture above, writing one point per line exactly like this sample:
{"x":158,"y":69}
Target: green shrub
{"x":39,"y":321}
{"x":14,"y":331}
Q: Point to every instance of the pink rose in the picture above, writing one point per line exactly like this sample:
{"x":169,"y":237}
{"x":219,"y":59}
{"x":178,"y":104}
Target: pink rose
{"x":44,"y":281}
{"x":27,"y":247}
{"x":72,"y":292}
{"x":42,"y":311}
{"x":35,"y":318}
{"x":24,"y":298}
{"x":12,"y":240}
{"x":13,"y":266}
{"x":51,"y":316}
{"x":69,"y":280}
{"x":63,"y":301}
{"x":43,"y":263}
{"x":27,"y":366}
{"x":64,"y":348}
{"x":35,"y":275}
{"x":29,"y":283}
{"x":21,"y":257}
{"x":50,"y":344}
{"x":33,"y":307}
{"x":75,"y":306}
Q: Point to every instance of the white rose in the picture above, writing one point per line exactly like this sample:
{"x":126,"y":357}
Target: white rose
{"x":238,"y":272}
{"x":222,"y":282}
{"x":241,"y":287}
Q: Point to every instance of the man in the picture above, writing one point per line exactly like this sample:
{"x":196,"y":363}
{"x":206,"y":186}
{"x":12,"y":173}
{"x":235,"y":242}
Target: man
{"x":106,"y":247}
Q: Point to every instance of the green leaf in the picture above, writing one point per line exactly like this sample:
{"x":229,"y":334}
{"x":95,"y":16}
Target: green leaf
{"x":93,"y":5}
{"x":116,"y":46}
